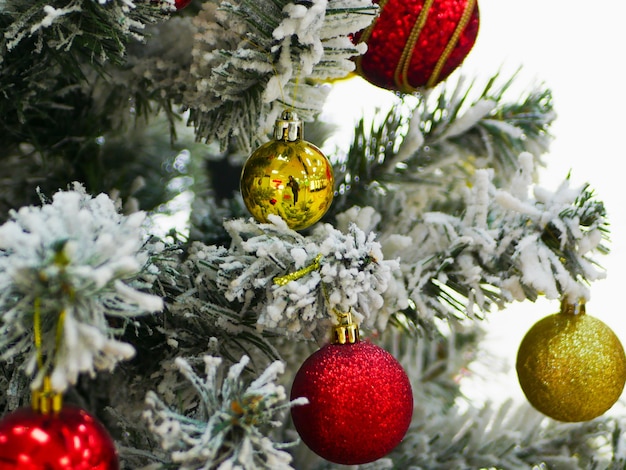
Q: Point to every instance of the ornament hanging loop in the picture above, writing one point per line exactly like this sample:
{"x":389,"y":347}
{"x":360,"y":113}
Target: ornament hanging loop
{"x":347,"y":331}
{"x":45,"y":399}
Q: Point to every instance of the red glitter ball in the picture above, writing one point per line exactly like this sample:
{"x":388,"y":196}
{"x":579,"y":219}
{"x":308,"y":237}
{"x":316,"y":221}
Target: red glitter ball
{"x":69,"y":440}
{"x":409,"y":47}
{"x":360,"y":402}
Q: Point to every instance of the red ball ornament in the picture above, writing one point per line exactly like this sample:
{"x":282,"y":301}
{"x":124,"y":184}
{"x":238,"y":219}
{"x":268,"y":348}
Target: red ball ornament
{"x":180,"y":4}
{"x":70,"y":439}
{"x":360,"y":402}
{"x":417,"y":43}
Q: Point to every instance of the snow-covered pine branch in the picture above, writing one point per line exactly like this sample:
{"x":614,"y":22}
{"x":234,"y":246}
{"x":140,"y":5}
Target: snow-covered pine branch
{"x":77,"y":255}
{"x":227,"y":425}
{"x":245,"y":76}
{"x":196,"y":307}
{"x":352,"y":275}
{"x":429,"y":145}
{"x":556,"y":237}
{"x":504,"y":245}
{"x":98,"y":29}
{"x":505,"y":436}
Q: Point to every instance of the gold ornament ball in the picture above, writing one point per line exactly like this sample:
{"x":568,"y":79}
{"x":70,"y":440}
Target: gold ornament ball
{"x":571,"y":366}
{"x":288,"y":177}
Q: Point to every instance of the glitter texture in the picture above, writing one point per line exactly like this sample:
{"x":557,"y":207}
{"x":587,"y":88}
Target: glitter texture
{"x":360,"y":402}
{"x":69,"y":440}
{"x":405,"y":44}
{"x":571,"y":367}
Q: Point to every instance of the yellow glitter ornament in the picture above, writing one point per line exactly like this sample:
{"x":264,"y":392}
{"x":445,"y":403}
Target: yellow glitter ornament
{"x":571,"y":366}
{"x":288,"y":177}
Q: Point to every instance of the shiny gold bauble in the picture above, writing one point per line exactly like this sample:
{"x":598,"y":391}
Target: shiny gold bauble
{"x":571,"y":366}
{"x":288,"y":177}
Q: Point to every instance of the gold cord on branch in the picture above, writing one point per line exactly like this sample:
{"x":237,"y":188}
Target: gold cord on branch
{"x":37,"y":331}
{"x":300,"y":273}
{"x":46,"y":400}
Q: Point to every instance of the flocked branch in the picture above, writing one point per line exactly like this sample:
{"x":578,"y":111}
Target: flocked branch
{"x":252,"y":61}
{"x":226,"y":425}
{"x":74,"y":259}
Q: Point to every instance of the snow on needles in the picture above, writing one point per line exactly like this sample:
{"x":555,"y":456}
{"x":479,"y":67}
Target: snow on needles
{"x":75,"y":257}
{"x":570,"y":228}
{"x":352,"y":275}
{"x":506,"y":244}
{"x":244,"y":79}
{"x":228,"y":406}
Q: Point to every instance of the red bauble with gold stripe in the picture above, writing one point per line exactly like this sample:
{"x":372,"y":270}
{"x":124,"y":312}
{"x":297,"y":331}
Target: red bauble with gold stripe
{"x":415,"y":44}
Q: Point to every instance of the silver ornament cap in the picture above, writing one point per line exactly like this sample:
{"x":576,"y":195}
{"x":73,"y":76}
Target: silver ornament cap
{"x":288,"y":127}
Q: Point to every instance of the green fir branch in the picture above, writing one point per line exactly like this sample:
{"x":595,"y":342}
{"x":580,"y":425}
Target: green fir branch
{"x":450,"y":135}
{"x":39,"y":59}
{"x":503,"y":246}
{"x":358,"y":178}
{"x":194,"y":307}
{"x":83,"y":30}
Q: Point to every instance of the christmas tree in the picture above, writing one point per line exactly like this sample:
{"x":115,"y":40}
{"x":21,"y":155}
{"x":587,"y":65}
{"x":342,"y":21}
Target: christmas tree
{"x":205,"y":263}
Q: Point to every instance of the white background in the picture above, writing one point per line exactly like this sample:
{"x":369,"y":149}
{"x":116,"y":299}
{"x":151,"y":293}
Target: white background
{"x":576,"y":49}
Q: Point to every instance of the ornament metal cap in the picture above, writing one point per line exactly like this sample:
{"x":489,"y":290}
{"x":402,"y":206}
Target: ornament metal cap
{"x":288,"y":127}
{"x":347,"y":331}
{"x":573,"y":308}
{"x":45,"y":400}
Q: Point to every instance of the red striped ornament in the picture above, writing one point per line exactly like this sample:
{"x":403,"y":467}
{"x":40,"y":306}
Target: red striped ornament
{"x":415,"y":44}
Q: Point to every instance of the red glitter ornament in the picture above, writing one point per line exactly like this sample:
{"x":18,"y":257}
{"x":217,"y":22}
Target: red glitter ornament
{"x":417,"y":43}
{"x":360,"y":402}
{"x":70,"y":439}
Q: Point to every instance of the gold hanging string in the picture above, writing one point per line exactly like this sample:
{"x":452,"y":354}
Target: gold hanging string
{"x":59,"y":332}
{"x":37,"y":332}
{"x":300,"y":273}
{"x":296,"y":88}
{"x":45,"y":400}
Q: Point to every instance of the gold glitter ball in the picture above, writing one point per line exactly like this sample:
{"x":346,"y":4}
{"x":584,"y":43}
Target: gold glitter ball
{"x":571,"y":366}
{"x":288,"y":177}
